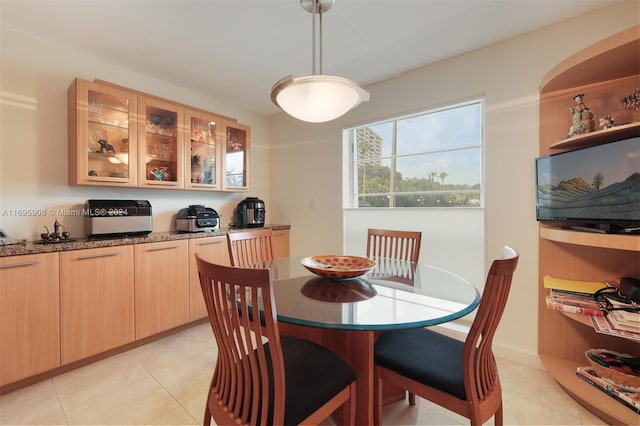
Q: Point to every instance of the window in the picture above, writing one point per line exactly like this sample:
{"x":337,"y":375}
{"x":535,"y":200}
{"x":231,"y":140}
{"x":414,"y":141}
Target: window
{"x":432,"y":159}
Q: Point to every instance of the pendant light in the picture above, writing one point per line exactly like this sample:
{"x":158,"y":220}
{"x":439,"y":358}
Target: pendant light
{"x":317,"y":98}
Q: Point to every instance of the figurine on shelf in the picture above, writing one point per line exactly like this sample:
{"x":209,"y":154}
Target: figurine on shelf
{"x":581,"y":117}
{"x":106,"y":146}
{"x":632,"y":101}
{"x":607,"y":122}
{"x":157,"y":174}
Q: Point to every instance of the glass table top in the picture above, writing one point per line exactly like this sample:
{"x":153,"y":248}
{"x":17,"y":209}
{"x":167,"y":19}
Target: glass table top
{"x":395,"y":294}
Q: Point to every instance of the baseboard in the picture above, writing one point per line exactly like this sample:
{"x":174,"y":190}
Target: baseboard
{"x":459,"y":330}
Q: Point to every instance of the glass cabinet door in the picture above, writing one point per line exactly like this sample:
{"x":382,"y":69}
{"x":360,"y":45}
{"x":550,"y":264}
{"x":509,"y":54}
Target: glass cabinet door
{"x":236,"y":157}
{"x":201,"y":165}
{"x":102,"y":134}
{"x":160,"y":147}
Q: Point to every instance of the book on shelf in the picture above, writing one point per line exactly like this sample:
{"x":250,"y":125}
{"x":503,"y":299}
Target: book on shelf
{"x":622,"y":320}
{"x":573,"y":298}
{"x":557,"y":305}
{"x":585,"y":287}
{"x":601,"y":325}
{"x":629,"y":397}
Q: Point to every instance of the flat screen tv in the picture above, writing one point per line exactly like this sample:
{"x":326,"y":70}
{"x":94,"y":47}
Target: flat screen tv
{"x":595,"y":188}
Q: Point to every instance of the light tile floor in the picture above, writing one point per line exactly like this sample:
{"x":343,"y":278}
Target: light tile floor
{"x":165,"y":383}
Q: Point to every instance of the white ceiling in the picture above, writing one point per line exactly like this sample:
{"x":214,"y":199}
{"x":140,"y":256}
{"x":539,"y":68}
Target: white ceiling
{"x":237,"y":49}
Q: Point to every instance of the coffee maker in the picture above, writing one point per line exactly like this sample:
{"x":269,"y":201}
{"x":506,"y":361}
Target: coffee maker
{"x":249,"y":213}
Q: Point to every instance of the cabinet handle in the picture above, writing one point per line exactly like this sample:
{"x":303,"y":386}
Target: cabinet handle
{"x":18,"y":265}
{"x":210,"y":243}
{"x":93,"y":256}
{"x":162,"y":248}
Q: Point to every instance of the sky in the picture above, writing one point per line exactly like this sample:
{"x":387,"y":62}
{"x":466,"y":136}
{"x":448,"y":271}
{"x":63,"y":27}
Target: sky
{"x":447,"y":130}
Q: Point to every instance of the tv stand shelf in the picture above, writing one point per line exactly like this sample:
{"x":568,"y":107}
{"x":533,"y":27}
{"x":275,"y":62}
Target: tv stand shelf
{"x":607,"y":408}
{"x":608,"y":241}
{"x":605,"y":73}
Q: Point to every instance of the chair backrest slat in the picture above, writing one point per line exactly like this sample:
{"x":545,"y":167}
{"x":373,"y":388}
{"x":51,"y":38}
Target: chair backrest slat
{"x":249,"y":247}
{"x":403,"y":245}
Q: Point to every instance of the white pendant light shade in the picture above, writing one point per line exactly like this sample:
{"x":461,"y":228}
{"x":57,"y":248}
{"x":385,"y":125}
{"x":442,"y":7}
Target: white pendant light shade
{"x":317,"y":98}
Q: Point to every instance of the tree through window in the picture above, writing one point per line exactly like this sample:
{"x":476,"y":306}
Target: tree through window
{"x":433,"y":159}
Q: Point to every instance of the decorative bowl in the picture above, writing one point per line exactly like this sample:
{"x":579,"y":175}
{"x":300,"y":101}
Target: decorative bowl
{"x":339,"y":267}
{"x":619,"y":367}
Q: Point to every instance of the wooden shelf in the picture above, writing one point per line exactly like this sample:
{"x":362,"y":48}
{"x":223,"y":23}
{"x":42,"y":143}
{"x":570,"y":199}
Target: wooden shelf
{"x":599,"y":137}
{"x":595,"y":63}
{"x":589,"y":396}
{"x":592,"y":239}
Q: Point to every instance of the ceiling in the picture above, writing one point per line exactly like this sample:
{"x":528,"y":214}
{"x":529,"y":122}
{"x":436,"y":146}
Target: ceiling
{"x":235,"y":50}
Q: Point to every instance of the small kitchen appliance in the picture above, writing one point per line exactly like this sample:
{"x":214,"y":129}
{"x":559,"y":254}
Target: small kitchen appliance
{"x":118,"y":218}
{"x":197,"y":218}
{"x":249,"y":213}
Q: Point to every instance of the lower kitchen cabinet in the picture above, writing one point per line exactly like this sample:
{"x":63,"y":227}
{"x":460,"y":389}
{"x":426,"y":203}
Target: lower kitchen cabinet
{"x":29,"y":316}
{"x":280,"y":243}
{"x":96,"y":301}
{"x":161,"y":286}
{"x":211,"y":249}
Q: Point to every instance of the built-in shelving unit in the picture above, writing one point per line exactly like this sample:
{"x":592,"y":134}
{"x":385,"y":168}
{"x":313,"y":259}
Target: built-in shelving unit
{"x":605,"y":73}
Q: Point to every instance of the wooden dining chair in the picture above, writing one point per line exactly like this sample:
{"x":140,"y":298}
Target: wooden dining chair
{"x":260,"y":377}
{"x":403,"y":245}
{"x":460,"y":376}
{"x":248,"y":247}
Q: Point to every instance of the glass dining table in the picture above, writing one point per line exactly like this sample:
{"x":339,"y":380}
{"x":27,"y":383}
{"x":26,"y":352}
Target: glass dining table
{"x":347,"y":316}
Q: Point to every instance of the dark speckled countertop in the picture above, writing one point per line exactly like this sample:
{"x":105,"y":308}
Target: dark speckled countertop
{"x":34,"y":247}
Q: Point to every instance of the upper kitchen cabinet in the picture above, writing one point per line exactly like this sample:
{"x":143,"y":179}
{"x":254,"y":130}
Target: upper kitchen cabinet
{"x":160,"y":144}
{"x":236,"y":158}
{"x":123,"y":137}
{"x":202,"y":149}
{"x":102,"y":135}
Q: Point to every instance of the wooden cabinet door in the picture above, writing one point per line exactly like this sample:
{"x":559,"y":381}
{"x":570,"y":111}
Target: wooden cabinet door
{"x":161,"y":286}
{"x":281,"y":243}
{"x":202,"y":151}
{"x":29,"y":316}
{"x":214,"y":250}
{"x":96,"y":301}
{"x":236,"y":156}
{"x":102,"y":135}
{"x":160,"y":144}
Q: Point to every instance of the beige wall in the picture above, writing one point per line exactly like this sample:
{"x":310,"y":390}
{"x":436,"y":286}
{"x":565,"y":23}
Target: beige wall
{"x":34,"y":78}
{"x":306,"y":159}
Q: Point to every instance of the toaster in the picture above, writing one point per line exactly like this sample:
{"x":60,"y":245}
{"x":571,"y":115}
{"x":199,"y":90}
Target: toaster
{"x":197,"y":218}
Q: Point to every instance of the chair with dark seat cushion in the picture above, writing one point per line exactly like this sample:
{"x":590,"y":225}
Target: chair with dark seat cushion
{"x":460,"y":376}
{"x":261,"y":378}
{"x":250,"y":246}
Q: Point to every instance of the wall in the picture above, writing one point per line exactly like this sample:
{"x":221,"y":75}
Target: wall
{"x":34,"y":78}
{"x":306,"y":159}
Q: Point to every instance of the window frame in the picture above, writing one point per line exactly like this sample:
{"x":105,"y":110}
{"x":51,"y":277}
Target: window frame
{"x":349,"y":137}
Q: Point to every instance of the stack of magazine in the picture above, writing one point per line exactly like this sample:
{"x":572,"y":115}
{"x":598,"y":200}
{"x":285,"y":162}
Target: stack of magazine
{"x":576,"y":297}
{"x":614,"y":373}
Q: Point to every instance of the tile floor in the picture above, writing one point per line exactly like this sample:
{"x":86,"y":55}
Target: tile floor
{"x":165,"y":383}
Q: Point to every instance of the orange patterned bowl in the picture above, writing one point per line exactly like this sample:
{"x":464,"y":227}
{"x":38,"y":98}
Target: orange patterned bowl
{"x":338,"y":267}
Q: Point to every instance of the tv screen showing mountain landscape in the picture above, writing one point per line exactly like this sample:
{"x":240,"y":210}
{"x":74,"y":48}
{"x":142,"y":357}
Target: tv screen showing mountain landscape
{"x":595,"y":184}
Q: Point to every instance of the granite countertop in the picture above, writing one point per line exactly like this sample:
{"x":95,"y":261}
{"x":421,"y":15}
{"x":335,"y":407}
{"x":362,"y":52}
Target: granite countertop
{"x":35,"y":247}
